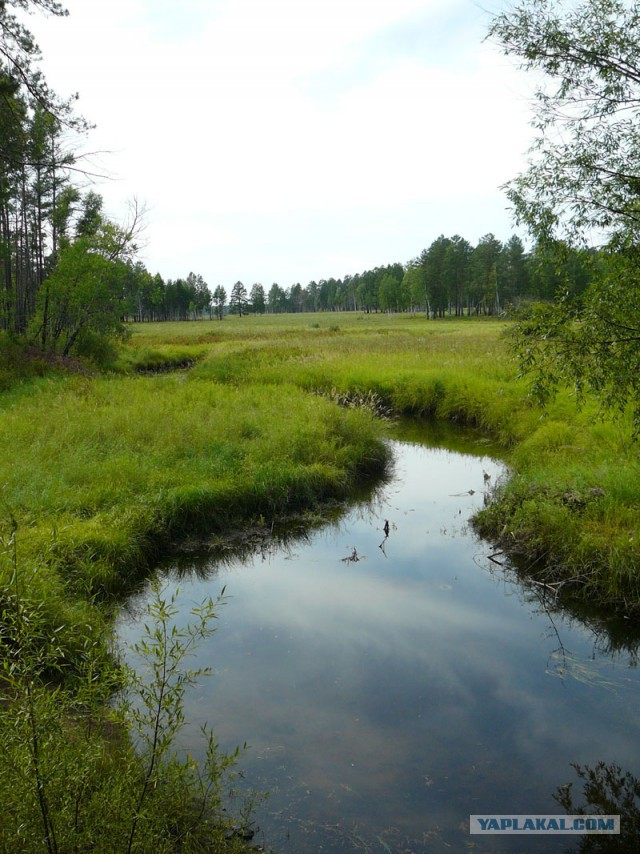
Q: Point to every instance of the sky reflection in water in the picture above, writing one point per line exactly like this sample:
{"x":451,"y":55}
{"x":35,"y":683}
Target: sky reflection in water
{"x":386,"y":699}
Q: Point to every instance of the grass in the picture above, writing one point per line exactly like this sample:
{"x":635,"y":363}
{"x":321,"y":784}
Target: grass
{"x":92,"y":757}
{"x":102,"y":473}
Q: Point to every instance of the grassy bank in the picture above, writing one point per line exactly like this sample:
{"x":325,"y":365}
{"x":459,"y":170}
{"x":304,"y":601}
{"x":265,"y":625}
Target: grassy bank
{"x":102,"y":473}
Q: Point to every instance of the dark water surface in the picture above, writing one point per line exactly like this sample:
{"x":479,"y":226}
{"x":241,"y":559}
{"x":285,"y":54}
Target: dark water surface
{"x":385,"y":699}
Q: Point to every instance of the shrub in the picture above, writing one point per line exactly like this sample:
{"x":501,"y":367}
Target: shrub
{"x":77,"y":769}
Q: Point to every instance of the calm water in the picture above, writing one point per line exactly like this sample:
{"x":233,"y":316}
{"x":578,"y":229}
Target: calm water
{"x":387,"y":698}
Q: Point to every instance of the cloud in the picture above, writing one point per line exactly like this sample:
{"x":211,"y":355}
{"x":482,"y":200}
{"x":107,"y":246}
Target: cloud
{"x":353,"y":116}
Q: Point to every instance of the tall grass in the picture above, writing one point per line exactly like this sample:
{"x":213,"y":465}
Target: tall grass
{"x":102,"y":472}
{"x":88,"y":763}
{"x":106,"y":470}
{"x":99,"y":475}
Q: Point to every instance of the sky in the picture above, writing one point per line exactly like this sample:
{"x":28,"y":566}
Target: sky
{"x":292,"y":140}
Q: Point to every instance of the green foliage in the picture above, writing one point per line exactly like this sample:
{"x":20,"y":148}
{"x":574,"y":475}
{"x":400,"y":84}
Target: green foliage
{"x":592,"y":345}
{"x":219,"y":300}
{"x":35,"y":160}
{"x":257,"y":298}
{"x":97,"y":349}
{"x":19,"y":50}
{"x":451,"y":277}
{"x":391,"y":295}
{"x":582,"y":182}
{"x":238,"y":299}
{"x":154,"y":711}
{"x":85,"y":291}
{"x":78,"y":769}
{"x":585,"y":161}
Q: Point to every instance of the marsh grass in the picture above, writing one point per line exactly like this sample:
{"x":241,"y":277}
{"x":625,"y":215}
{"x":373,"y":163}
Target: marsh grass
{"x":106,"y":471}
{"x":103,"y":473}
{"x":155,"y":360}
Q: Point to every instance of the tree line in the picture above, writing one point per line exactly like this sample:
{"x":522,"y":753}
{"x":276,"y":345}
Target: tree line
{"x":64,"y":265}
{"x":449,"y":278}
{"x":67,"y":271}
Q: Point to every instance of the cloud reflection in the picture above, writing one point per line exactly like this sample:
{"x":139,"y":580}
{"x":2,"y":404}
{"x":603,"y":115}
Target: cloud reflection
{"x":405,"y":690}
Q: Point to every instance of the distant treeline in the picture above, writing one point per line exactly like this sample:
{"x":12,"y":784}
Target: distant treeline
{"x":69,"y":273}
{"x":450,"y":277}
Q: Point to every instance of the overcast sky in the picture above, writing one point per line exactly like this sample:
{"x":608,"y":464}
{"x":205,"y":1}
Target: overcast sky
{"x":290,"y":140}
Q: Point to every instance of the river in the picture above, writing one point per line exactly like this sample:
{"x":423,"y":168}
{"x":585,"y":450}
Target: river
{"x":392,"y":678}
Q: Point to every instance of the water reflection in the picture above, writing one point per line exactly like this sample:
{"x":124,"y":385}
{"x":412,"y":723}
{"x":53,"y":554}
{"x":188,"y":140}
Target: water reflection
{"x":613,"y":637}
{"x":387,"y":698}
{"x":607,"y":789}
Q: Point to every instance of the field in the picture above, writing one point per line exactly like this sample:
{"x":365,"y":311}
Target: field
{"x":207,"y":427}
{"x":203,"y":426}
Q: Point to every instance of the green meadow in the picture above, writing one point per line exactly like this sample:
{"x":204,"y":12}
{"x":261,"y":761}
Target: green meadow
{"x":200,"y":427}
{"x":211,"y":427}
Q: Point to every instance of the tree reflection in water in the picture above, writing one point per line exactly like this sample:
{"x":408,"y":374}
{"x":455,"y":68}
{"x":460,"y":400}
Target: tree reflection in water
{"x":607,"y":790}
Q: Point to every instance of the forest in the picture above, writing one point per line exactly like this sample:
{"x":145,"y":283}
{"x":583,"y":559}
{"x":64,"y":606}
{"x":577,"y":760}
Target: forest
{"x":68,"y":271}
{"x":451,"y":277}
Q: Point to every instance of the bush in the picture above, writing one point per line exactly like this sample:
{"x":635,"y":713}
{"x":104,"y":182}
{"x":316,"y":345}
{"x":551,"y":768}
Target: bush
{"x":95,"y":348}
{"x":77,"y":769}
